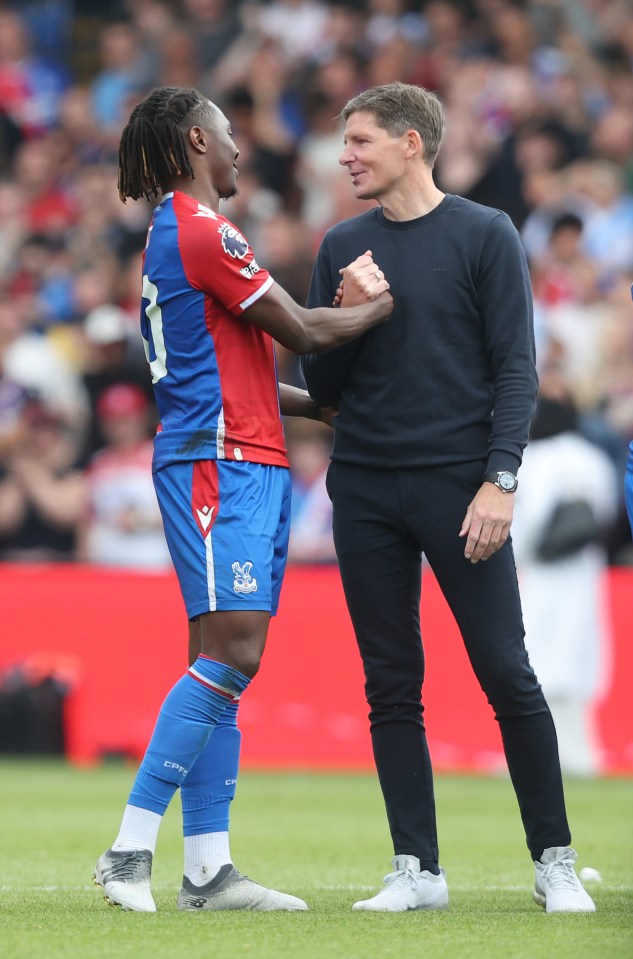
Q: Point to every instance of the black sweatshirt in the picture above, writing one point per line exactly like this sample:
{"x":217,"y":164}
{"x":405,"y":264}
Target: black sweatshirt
{"x":420,"y":389}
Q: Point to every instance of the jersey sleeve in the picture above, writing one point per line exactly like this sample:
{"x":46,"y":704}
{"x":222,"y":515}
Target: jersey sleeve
{"x":218,"y":261}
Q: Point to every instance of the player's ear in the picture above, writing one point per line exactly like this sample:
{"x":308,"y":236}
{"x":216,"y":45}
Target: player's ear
{"x":197,"y":139}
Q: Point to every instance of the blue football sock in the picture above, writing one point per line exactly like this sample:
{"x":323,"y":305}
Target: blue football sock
{"x":185,"y":722}
{"x":209,"y":788}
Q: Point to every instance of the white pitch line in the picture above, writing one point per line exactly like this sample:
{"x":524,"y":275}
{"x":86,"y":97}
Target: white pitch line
{"x":351,"y":888}
{"x":460,"y":888}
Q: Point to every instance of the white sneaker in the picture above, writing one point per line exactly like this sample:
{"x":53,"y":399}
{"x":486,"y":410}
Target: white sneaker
{"x":556,"y":886}
{"x":125,"y":878}
{"x":408,"y":888}
{"x":229,"y":890}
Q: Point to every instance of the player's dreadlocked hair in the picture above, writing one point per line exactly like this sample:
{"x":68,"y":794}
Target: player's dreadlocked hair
{"x":153,"y":145}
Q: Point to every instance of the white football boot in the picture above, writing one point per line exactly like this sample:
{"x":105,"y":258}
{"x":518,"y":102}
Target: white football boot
{"x":408,"y":888}
{"x":229,"y":890}
{"x":556,"y":886}
{"x":125,"y":876}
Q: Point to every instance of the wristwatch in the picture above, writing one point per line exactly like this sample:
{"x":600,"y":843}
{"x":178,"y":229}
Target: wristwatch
{"x":505,"y":480}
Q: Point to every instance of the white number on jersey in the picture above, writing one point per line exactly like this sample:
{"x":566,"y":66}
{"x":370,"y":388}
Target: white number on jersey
{"x":154,"y":328}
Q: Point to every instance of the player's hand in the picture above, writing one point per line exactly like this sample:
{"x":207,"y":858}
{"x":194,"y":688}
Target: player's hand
{"x":487,"y":522}
{"x":362,"y":281}
{"x":328,"y":414}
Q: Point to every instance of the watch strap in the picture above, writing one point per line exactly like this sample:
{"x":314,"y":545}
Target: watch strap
{"x":493,"y":477}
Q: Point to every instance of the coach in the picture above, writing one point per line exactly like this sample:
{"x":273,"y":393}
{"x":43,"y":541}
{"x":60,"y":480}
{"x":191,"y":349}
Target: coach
{"x":434,"y":411}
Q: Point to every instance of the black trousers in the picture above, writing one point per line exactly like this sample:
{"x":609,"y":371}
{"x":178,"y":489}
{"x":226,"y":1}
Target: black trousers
{"x":383,"y":521}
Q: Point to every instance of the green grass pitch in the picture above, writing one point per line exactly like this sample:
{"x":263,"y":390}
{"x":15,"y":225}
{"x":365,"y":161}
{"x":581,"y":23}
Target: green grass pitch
{"x":320,"y":836}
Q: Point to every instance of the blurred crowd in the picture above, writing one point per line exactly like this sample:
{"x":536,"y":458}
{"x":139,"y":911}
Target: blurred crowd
{"x":539,"y":104}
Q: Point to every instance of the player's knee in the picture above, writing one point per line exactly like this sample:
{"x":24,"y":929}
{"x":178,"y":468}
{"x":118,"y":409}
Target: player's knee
{"x":247,"y":661}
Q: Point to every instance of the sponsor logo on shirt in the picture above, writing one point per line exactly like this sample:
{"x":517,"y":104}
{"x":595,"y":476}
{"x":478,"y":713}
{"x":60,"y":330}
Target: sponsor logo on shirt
{"x":233,"y":242}
{"x":250,"y":269}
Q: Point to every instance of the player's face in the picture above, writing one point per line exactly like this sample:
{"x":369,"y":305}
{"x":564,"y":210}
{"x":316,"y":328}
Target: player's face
{"x":223,"y":156}
{"x":375,"y":160}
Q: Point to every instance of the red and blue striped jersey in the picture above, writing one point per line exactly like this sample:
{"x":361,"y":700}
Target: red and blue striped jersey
{"x":214,"y":373}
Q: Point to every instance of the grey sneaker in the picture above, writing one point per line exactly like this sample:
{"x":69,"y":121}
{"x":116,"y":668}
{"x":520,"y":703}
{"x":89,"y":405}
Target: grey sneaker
{"x":408,"y":888}
{"x":229,"y":890}
{"x":556,"y":886}
{"x":124,"y":876}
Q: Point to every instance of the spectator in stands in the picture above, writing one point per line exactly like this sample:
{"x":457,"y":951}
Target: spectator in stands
{"x":179,"y":52}
{"x":41,"y":488}
{"x":122,"y":525}
{"x":124,"y":72}
{"x":216,"y":24}
{"x":78,"y":123}
{"x":13,"y":224}
{"x":300,"y":26}
{"x":318,"y":154}
{"x":612,"y":137}
{"x":262,"y":115}
{"x":112,"y":355}
{"x":103,"y":236}
{"x":13,"y":395}
{"x":608,"y":234}
{"x":311,"y":539}
{"x":35,"y":362}
{"x":30,"y":87}
{"x":555,"y":276}
{"x":49,"y":203}
{"x":561,"y":560}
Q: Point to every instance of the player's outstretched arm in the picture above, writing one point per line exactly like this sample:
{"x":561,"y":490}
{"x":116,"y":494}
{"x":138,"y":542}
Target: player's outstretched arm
{"x":294,"y":401}
{"x":323,"y":328}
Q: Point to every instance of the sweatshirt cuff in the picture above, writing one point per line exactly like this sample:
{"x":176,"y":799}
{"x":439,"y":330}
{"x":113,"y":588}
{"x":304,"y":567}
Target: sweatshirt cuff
{"x":500,"y":460}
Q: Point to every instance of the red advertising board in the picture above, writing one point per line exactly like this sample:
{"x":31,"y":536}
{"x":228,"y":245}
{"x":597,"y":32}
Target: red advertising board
{"x":123,"y":637}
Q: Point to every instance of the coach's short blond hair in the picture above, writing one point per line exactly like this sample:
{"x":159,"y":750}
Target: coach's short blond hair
{"x":399,"y":107}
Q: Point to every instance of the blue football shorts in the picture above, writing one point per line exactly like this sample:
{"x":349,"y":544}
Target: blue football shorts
{"x":227,"y":525}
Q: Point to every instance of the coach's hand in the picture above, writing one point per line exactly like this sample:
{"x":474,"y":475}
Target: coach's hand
{"x":487,"y":522}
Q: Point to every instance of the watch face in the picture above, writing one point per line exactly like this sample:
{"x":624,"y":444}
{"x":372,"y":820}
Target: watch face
{"x":507,"y":481}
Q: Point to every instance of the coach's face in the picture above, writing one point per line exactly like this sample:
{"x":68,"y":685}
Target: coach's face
{"x":377,"y":161}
